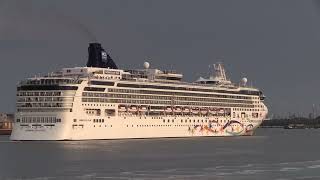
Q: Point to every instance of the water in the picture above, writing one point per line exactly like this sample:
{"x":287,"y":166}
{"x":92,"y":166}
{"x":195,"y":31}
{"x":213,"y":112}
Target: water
{"x":270,"y":154}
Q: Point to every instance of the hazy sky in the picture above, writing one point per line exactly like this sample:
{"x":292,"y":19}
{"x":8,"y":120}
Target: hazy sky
{"x":274,"y":43}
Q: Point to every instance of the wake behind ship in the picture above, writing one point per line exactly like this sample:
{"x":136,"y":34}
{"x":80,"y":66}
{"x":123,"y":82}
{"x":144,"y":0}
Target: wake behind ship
{"x":100,"y":101}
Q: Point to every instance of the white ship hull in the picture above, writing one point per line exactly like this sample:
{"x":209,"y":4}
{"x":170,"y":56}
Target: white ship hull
{"x":101,"y":101}
{"x":135,"y":127}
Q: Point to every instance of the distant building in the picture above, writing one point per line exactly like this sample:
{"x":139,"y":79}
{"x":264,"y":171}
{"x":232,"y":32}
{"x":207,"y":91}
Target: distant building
{"x":6,"y":121}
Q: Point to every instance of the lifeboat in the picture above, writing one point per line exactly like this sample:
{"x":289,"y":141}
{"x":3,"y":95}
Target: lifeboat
{"x":168,"y":109}
{"x":228,"y":111}
{"x":177,"y":109}
{"x":213,"y":111}
{"x":221,"y":111}
{"x":186,"y":110}
{"x":143,"y":108}
{"x":122,"y":108}
{"x":133,"y":109}
{"x":204,"y":111}
{"x":195,"y":110}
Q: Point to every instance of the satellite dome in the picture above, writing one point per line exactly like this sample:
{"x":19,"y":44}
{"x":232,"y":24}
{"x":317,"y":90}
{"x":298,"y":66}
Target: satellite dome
{"x":146,"y":65}
{"x":244,"y":81}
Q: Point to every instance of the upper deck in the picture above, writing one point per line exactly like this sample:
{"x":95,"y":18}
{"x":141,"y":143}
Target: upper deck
{"x":101,"y":70}
{"x":147,"y":78}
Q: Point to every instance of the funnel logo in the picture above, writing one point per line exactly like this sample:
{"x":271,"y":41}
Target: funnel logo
{"x":104,"y":55}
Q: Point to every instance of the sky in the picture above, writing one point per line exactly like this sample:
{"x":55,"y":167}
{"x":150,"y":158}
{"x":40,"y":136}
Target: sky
{"x":274,"y":43}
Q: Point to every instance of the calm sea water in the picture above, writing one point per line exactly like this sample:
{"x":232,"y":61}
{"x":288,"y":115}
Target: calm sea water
{"x":270,"y":154}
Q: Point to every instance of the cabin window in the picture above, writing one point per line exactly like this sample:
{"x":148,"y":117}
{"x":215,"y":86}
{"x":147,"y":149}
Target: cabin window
{"x":102,"y":83}
{"x":94,"y":89}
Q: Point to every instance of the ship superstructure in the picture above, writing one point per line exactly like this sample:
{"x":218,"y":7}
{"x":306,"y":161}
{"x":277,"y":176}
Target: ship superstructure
{"x":101,"y":101}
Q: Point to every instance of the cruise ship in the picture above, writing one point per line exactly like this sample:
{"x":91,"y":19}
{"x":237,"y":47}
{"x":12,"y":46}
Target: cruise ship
{"x":101,"y":101}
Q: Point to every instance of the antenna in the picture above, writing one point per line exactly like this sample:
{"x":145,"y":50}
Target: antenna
{"x":313,"y":111}
{"x":209,"y":67}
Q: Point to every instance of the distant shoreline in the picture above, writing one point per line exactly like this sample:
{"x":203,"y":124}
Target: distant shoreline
{"x":294,"y":123}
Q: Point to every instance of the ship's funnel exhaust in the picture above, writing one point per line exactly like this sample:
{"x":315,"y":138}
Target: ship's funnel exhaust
{"x":98,"y":57}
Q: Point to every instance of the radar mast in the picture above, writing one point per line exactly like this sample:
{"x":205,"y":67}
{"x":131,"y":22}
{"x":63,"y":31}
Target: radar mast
{"x":220,"y":73}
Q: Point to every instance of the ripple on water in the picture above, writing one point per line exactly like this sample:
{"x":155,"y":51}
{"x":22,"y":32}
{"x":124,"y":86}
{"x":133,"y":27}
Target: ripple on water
{"x":290,"y":169}
{"x":314,"y":166}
